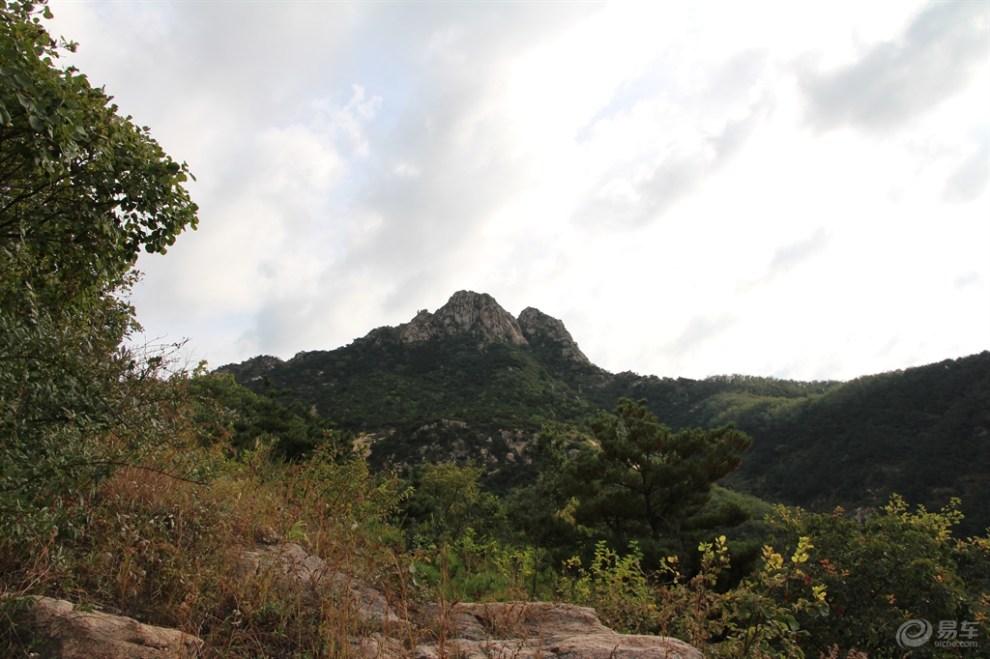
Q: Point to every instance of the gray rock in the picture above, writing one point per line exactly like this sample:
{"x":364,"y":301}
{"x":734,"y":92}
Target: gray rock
{"x":541,"y":329}
{"x":465,"y":313}
{"x":61,"y":631}
{"x":295,"y":572}
{"x":523,"y":630}
{"x":528,"y":630}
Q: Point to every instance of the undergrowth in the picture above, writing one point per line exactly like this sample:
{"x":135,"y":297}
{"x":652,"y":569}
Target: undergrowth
{"x":163,"y":541}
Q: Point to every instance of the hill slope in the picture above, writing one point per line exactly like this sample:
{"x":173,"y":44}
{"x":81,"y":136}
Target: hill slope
{"x":472,"y":382}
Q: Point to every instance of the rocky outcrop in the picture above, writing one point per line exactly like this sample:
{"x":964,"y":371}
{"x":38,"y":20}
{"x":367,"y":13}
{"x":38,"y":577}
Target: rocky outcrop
{"x":541,"y":329}
{"x":524,"y":630}
{"x":61,"y":631}
{"x":477,"y":314}
{"x":295,"y":572}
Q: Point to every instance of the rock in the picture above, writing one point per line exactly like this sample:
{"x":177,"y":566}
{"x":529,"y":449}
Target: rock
{"x":528,"y":630}
{"x":466,"y":312}
{"x":296,"y":572}
{"x":541,"y":329}
{"x":61,"y":631}
{"x":525,"y":630}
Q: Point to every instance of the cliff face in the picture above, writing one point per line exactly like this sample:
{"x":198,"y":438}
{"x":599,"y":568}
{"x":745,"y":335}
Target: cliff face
{"x":479,"y":315}
{"x":541,"y":329}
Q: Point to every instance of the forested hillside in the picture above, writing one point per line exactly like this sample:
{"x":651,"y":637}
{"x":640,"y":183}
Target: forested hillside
{"x":922,"y":432}
{"x":249,"y":520}
{"x":465,"y":393}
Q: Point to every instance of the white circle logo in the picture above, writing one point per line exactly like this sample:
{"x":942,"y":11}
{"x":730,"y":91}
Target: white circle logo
{"x":914,"y":633}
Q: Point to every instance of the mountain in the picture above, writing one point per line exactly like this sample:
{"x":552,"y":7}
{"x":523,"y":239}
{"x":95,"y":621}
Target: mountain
{"x":471,"y":381}
{"x":468,"y":382}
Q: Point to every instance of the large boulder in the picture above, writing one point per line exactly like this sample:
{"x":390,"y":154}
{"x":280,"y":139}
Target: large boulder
{"x":295,"y":572}
{"x":528,"y":630}
{"x":524,"y":630}
{"x":60,"y":630}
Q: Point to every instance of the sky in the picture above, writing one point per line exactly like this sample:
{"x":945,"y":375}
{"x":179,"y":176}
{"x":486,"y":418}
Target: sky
{"x":787,"y":189}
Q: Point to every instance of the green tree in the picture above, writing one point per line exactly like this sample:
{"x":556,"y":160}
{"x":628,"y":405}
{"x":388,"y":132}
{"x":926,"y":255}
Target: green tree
{"x":644,"y":481}
{"x":83,"y":191}
{"x":892,"y":567}
{"x":236,"y":416}
{"x":447,"y":500}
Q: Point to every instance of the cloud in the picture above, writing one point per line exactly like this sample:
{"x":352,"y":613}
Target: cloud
{"x":966,"y":280}
{"x":895,"y":81}
{"x":640,"y":192}
{"x":970,"y":178}
{"x":359,"y":161}
{"x":699,"y":330}
{"x":434,"y":168}
{"x":797,"y":253}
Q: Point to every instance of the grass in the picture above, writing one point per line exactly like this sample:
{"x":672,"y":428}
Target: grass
{"x":150,"y":543}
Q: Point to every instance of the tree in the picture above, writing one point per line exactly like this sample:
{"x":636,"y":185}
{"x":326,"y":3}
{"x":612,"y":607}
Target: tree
{"x":892,"y":567}
{"x":83,"y":191}
{"x":446,"y":500}
{"x":227,"y":412}
{"x":644,"y":481}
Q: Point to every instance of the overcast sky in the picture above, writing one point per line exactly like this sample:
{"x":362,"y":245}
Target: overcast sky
{"x":769,"y":188}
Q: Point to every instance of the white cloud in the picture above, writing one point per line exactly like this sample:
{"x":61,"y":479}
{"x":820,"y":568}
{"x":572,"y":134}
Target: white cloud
{"x":895,"y":80}
{"x":693,"y":189}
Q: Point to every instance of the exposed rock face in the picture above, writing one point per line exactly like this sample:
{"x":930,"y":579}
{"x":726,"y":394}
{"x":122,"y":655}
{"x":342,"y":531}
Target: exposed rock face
{"x":465,"y":313}
{"x":525,"y":630}
{"x":480,"y":315}
{"x":295,"y":571}
{"x":539,"y":328}
{"x":63,"y":632}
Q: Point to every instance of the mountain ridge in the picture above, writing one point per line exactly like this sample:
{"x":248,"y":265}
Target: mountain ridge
{"x":470,"y":382}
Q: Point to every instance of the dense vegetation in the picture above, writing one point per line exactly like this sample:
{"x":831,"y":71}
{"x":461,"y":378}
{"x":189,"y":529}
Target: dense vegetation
{"x":923,"y":432}
{"x":131,"y":486}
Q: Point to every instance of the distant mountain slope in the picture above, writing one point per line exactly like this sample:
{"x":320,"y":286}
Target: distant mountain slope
{"x":471,"y":381}
{"x":923,"y":432}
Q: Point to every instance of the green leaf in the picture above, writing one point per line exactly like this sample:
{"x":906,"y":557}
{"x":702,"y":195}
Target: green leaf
{"x":37,"y":123}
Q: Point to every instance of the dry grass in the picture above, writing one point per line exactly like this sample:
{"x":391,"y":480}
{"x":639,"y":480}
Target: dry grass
{"x":169,"y":550}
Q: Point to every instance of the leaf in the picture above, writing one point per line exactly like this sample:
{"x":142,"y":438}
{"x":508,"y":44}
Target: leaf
{"x":36,"y":123}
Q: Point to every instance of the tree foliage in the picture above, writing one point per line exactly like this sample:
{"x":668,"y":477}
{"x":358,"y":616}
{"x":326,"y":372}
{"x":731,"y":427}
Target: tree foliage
{"x":231,"y":415}
{"x":82,"y":191}
{"x":644,"y":481}
{"x":894,"y":566}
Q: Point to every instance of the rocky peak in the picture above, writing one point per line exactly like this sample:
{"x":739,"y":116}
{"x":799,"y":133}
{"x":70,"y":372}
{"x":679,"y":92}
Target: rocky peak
{"x":465,"y":313}
{"x":541,"y":329}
